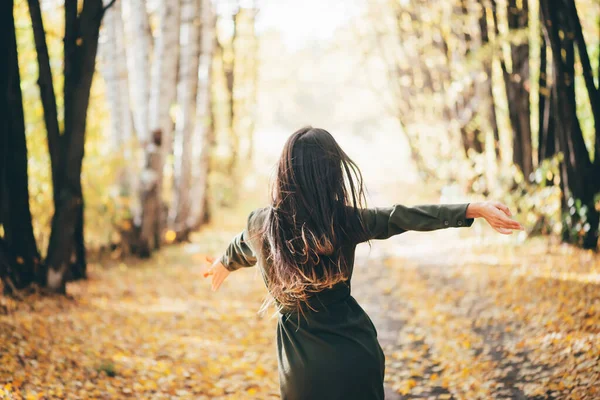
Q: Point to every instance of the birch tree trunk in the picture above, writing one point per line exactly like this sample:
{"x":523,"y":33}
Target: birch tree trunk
{"x":184,"y":126}
{"x":140,"y":67}
{"x":114,"y":69}
{"x":109,"y":54}
{"x":164,"y":91}
{"x":229,"y":67}
{"x":203,"y":142}
{"x":148,"y":217}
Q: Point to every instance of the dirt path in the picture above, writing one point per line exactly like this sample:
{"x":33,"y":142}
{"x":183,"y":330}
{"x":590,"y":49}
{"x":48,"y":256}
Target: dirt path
{"x":457,"y":319}
{"x":461,"y":319}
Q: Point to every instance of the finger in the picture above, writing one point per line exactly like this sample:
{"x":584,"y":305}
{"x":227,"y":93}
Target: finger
{"x":210,"y":259}
{"x":503,"y":231}
{"x":512,"y":224}
{"x":217,"y":280}
{"x":504,"y":208}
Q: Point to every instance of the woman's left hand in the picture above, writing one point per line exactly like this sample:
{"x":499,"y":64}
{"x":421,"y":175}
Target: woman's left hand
{"x":218,"y":271}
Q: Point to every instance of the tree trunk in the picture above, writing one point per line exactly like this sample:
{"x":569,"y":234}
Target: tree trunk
{"x":164,"y":73}
{"x":114,"y":70}
{"x":163,"y":93}
{"x":109,"y":51}
{"x":588,"y":75}
{"x":579,"y":177}
{"x":47,"y":93}
{"x":203,"y":128}
{"x":229,"y":66}
{"x":486,"y":85}
{"x":187,"y":90}
{"x":80,"y":47}
{"x":147,"y":219}
{"x":140,"y":74}
{"x":149,"y":226}
{"x":471,"y":132}
{"x":517,"y":92}
{"x":546,"y":135}
{"x":20,"y":258}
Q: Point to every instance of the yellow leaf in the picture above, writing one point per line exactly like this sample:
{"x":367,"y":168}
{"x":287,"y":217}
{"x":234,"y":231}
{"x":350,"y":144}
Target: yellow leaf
{"x":170,"y":236}
{"x":20,"y":260}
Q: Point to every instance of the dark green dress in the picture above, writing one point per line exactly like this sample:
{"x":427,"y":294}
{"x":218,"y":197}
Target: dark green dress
{"x":333,"y":353}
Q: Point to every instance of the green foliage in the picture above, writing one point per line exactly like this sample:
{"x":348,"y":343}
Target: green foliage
{"x":104,"y":206}
{"x":108,"y":367}
{"x":576,"y":224}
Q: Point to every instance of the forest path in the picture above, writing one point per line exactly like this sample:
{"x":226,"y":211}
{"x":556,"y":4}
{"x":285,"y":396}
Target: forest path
{"x":457,"y":318}
{"x":462,"y":319}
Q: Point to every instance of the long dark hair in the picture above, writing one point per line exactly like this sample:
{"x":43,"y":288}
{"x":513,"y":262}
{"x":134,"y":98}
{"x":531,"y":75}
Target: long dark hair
{"x":317,"y":194}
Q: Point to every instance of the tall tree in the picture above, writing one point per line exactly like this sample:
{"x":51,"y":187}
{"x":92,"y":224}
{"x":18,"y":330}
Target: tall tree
{"x":229,"y":68}
{"x":114,"y":69}
{"x":486,"y":84}
{"x":148,"y":217}
{"x":19,"y":257}
{"x":580,"y":178}
{"x":546,"y":134}
{"x":163,"y":94}
{"x":204,"y":120}
{"x":82,"y":28}
{"x":516,"y":80}
{"x":185,"y":123}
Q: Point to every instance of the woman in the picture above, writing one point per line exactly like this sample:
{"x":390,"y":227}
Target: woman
{"x":304,"y":243}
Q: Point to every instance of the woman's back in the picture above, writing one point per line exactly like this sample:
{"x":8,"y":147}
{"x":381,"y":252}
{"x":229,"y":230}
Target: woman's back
{"x":304,"y":244}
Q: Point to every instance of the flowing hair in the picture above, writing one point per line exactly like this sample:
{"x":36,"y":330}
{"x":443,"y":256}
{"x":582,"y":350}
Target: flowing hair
{"x":316,"y":197}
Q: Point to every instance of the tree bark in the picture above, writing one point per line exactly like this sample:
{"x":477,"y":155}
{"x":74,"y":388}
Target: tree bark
{"x":588,"y":75}
{"x":229,"y":66}
{"x":140,"y":74}
{"x":580,"y":178}
{"x":20,"y":258}
{"x":486,"y":85}
{"x":80,"y":47}
{"x":517,"y":92}
{"x":546,"y":135}
{"x":149,"y":228}
{"x":164,"y":68}
{"x":187,"y":90}
{"x":147,"y":219}
{"x":47,"y":93}
{"x":471,"y":132}
{"x":204,"y":129}
{"x":163,"y":93}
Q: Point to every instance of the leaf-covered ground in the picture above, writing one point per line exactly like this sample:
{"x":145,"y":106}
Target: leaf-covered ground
{"x":458,"y":317}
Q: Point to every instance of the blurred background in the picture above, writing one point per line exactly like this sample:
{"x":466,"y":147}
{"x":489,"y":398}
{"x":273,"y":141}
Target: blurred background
{"x":130,"y":123}
{"x":129,"y":126}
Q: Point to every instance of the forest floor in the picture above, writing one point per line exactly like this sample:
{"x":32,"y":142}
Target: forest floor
{"x":459,"y":315}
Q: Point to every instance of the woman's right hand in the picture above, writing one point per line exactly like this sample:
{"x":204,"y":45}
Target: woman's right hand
{"x":218,"y":272}
{"x":496,"y":214}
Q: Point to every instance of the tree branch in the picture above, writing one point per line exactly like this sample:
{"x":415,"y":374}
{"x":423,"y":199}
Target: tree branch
{"x":109,"y":5}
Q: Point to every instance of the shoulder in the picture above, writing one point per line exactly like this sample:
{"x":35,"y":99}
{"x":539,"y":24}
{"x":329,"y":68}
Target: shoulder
{"x":257,"y":217}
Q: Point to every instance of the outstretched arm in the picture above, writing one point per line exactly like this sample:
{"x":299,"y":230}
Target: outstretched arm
{"x":384,"y":222}
{"x":239,"y":254}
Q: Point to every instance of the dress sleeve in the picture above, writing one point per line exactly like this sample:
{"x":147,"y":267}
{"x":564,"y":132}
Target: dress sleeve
{"x":384,"y":222}
{"x":240,"y":253}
